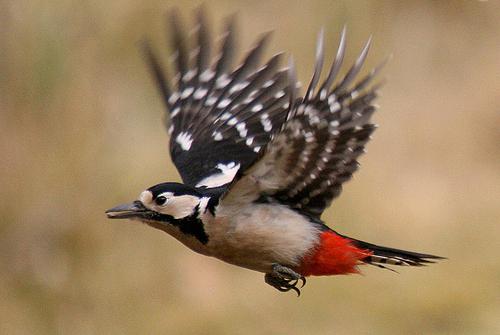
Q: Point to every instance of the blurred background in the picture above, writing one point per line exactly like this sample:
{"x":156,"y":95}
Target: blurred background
{"x":81,"y":130}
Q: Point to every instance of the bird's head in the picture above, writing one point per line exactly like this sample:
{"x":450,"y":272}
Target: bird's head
{"x":166,"y":202}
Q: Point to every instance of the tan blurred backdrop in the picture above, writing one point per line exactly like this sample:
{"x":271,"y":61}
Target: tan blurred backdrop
{"x":81,"y":130}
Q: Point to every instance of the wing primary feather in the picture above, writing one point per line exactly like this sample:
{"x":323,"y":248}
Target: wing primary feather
{"x":223,"y":63}
{"x":178,"y":43}
{"x":251,"y":60}
{"x":203,"y":42}
{"x":362,"y":119}
{"x":254,"y":80}
{"x":354,"y":70}
{"x":221,"y":68}
{"x":265,"y":98}
{"x":227,"y":50}
{"x":318,"y":65}
{"x":202,"y":64}
{"x":254,"y":99}
{"x":158,"y":72}
{"x":257,"y":79}
{"x":305,"y":164}
{"x":292,"y":79}
{"x":362,"y":101}
{"x":337,"y":63}
{"x":363,"y":83}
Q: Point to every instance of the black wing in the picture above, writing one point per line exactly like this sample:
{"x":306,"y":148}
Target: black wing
{"x":219,"y":118}
{"x":305,"y":165}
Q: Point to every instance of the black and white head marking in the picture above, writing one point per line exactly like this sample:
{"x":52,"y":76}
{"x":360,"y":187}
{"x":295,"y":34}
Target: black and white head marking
{"x":179,"y":205}
{"x":176,"y":200}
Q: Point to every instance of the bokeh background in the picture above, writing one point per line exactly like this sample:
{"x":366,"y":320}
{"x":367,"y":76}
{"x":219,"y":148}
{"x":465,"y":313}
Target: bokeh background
{"x":81,"y":130}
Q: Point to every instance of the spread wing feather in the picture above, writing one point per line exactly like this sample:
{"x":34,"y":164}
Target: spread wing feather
{"x":306,"y":163}
{"x":219,"y":119}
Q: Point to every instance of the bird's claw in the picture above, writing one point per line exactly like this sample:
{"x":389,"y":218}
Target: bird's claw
{"x":284,"y":279}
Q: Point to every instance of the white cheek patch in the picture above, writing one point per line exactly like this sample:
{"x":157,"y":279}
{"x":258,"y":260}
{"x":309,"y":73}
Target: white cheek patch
{"x":228,"y":171}
{"x":179,"y":206}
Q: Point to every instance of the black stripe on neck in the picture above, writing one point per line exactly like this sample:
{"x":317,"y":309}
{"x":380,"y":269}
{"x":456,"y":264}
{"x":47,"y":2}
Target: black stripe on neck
{"x":191,"y":225}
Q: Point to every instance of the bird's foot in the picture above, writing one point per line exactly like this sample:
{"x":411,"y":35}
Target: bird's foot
{"x":284,"y":279}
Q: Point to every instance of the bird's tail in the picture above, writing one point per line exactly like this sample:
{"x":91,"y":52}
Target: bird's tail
{"x":382,"y":256}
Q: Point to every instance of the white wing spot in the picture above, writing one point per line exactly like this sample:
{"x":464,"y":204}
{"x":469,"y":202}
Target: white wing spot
{"x":210,"y":101}
{"x":322,"y":94}
{"x":250,"y":98}
{"x":207,"y":75}
{"x":242,"y":129}
{"x":224,"y":103}
{"x":313,"y":119}
{"x":268,"y":83}
{"x":266,"y":123}
{"x":226,"y":116}
{"x":175,"y":111}
{"x":189,"y":75}
{"x":185,"y":140}
{"x":334,"y":123}
{"x":257,"y":108}
{"x":279,"y":94}
{"x":217,"y":135}
{"x":335,"y":107}
{"x":200,"y":93}
{"x":222,"y":81}
{"x":238,"y":87}
{"x":187,"y":92}
{"x":331,"y":99}
{"x":173,"y":98}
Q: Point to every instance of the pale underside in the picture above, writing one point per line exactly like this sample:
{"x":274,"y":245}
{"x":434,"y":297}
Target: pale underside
{"x":255,"y":236}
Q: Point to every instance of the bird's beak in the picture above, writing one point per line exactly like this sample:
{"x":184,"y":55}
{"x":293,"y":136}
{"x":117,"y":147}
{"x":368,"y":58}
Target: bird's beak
{"x":127,"y":211}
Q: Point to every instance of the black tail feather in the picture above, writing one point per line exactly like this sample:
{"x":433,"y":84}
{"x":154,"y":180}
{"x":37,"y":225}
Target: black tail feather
{"x":390,"y":256}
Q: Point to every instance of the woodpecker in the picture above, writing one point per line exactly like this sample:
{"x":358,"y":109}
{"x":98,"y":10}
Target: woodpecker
{"x":259,"y":162}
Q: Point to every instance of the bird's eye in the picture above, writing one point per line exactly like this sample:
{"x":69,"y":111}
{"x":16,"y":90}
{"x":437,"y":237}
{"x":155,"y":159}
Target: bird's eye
{"x":161,"y":200}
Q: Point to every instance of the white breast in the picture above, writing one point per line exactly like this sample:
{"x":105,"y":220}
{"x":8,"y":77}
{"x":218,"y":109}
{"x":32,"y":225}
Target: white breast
{"x":258,"y":235}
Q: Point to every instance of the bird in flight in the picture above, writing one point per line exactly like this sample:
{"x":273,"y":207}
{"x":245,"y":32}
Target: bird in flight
{"x":259,"y":162}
